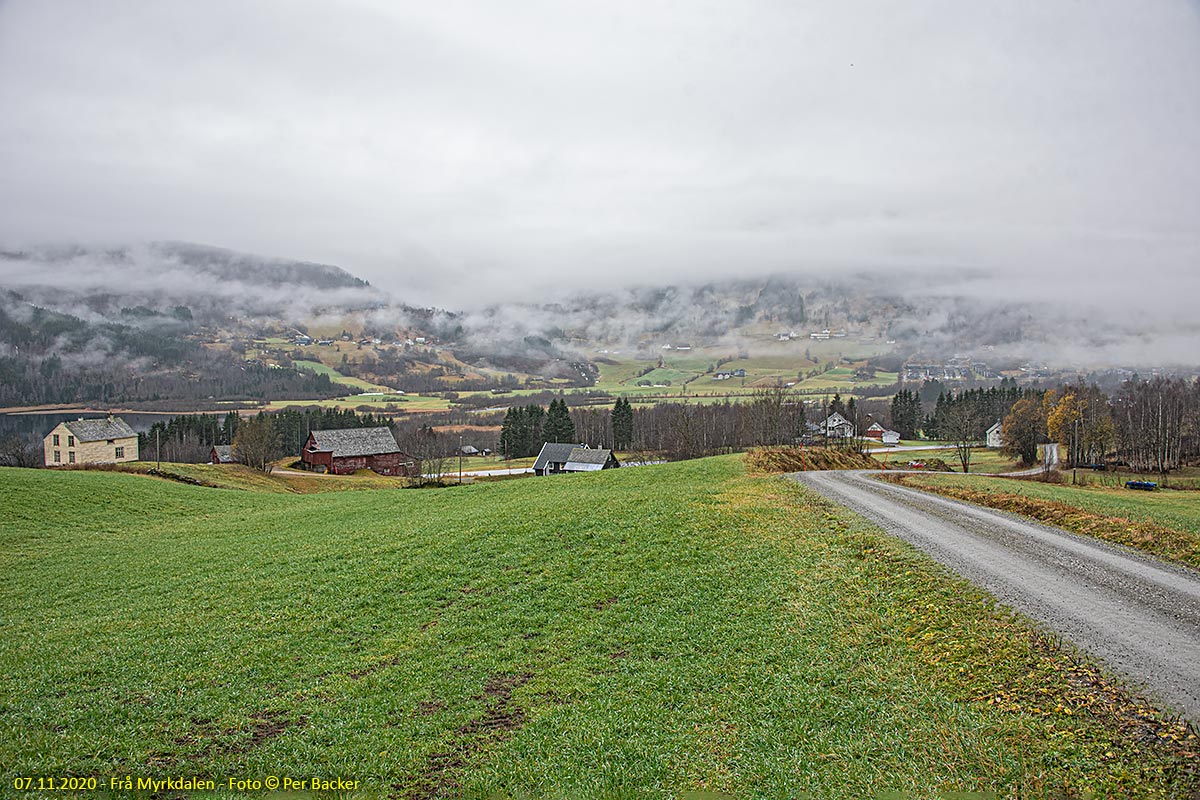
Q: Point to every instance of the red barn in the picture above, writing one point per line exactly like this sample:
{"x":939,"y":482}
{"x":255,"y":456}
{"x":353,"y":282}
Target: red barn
{"x":345,"y":450}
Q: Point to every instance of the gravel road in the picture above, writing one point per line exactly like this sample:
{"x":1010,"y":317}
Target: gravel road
{"x":1139,"y":615}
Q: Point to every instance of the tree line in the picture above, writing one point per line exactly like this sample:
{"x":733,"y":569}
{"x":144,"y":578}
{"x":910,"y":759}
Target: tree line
{"x":257,"y":440}
{"x":1147,"y":425}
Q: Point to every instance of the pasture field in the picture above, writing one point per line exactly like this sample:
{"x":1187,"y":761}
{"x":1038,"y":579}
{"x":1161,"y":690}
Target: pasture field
{"x":1185,"y":478}
{"x":337,"y":377}
{"x":400,"y":404}
{"x":983,"y":460}
{"x":632,"y":633}
{"x":1165,"y":523}
{"x":622,"y":376}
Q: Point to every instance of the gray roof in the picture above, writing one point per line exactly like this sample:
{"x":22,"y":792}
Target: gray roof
{"x":554,"y":453}
{"x":224,"y":453}
{"x":356,"y":441}
{"x":586,"y":455}
{"x":100,"y":430}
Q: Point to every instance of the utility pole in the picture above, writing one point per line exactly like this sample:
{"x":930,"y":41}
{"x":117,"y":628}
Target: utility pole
{"x":460,"y":455}
{"x":157,"y":448}
{"x":1075,"y":452}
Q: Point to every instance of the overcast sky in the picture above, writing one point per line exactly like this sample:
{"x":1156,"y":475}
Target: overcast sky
{"x":461,"y":152}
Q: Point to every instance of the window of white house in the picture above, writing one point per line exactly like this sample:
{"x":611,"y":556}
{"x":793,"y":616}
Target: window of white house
{"x":70,"y":441}
{"x":56,"y":440}
{"x":57,"y":455}
{"x":71,"y":457}
{"x":120,"y":452}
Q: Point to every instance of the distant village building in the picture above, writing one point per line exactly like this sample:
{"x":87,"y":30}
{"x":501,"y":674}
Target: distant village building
{"x":221,"y":454}
{"x":90,"y":441}
{"x":995,"y":436}
{"x":343,"y":451}
{"x":557,"y":457}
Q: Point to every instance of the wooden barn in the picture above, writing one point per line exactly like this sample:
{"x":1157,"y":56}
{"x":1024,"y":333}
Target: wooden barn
{"x":221,"y":454}
{"x":345,"y":450}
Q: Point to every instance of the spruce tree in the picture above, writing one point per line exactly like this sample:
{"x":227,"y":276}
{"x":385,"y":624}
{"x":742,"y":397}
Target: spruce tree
{"x":559,"y":426}
{"x":508,"y":434}
{"x":836,"y":406}
{"x":622,"y":424}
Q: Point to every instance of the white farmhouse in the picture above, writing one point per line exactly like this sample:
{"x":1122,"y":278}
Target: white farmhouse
{"x":836,"y":426}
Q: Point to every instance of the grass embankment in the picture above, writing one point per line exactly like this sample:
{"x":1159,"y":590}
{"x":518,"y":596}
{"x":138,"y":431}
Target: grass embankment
{"x":1164,"y":523}
{"x":628,"y":633}
{"x":239,"y":476}
{"x":800,"y":459}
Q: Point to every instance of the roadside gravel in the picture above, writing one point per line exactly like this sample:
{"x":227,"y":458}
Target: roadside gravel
{"x":1138,"y":614}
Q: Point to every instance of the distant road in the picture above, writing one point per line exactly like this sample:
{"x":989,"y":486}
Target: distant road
{"x":909,"y":447}
{"x":1140,"y":615}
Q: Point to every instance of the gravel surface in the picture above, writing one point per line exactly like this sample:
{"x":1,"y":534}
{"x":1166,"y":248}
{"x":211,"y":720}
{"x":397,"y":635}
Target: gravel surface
{"x":1138,"y":614}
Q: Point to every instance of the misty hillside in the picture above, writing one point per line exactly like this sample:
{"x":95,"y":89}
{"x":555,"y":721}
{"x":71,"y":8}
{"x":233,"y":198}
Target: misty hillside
{"x":742,"y":311}
{"x":161,"y":321}
{"x":211,"y":283}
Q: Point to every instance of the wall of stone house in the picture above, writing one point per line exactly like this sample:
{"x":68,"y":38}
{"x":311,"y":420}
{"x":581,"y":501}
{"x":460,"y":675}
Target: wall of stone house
{"x":100,"y":452}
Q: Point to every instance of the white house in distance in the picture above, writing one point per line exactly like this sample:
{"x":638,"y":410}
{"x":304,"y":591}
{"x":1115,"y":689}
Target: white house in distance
{"x":836,"y":426}
{"x":90,"y":441}
{"x":995,"y":436}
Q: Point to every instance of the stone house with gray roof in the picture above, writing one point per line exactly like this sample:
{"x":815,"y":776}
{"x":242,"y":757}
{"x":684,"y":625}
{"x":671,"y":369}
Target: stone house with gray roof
{"x":103,"y":440}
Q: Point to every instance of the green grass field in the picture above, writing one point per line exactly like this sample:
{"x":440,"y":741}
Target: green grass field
{"x":241,"y":477}
{"x":409,"y":403}
{"x":635,"y":633}
{"x":983,"y":460}
{"x":337,"y":377}
{"x":1166,"y":523}
{"x":621,"y":377}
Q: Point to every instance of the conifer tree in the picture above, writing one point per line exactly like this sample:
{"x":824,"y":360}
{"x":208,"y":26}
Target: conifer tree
{"x":559,"y":427}
{"x":622,"y":424}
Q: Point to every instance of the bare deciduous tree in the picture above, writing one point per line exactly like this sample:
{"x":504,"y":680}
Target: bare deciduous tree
{"x":257,"y":443}
{"x":961,"y":426}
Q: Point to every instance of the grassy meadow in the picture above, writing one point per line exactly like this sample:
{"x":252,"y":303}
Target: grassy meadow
{"x":643,"y":632}
{"x":1165,"y":523}
{"x":337,"y":377}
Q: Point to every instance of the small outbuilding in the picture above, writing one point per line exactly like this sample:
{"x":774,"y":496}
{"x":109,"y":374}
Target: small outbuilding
{"x":221,"y":454}
{"x":882,"y":434}
{"x":345,"y":450}
{"x":995,"y":436}
{"x":587,"y":459}
{"x":104,"y":440}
